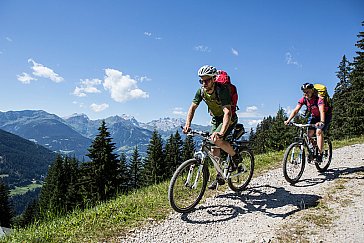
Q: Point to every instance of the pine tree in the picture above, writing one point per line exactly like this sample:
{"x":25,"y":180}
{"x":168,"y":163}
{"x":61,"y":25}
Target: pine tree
{"x":86,"y":184}
{"x":271,"y":134}
{"x":104,"y":164}
{"x":343,"y":76}
{"x":261,"y":142}
{"x":173,"y":153}
{"x":52,"y":194}
{"x":169,"y":156}
{"x":188,"y":148}
{"x":73,"y":197}
{"x":356,"y":97}
{"x":251,"y":135}
{"x":339,"y":125}
{"x":278,"y":133}
{"x":30,"y":214}
{"x":123,"y":174}
{"x":154,"y":167}
{"x":177,"y":159}
{"x":136,"y":170}
{"x":6,"y":210}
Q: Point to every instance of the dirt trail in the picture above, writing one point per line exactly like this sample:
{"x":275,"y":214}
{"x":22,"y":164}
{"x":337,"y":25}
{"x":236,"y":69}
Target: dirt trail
{"x":320,"y":208}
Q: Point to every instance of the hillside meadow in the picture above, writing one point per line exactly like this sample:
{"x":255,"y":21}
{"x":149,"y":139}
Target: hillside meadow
{"x":107,"y":221}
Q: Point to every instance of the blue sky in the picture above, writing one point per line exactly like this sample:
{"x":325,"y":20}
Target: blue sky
{"x":140,"y":58}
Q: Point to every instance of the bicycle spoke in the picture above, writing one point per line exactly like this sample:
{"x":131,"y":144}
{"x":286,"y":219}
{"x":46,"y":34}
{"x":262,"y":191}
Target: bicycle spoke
{"x":187,"y":186}
{"x":294,"y":162}
{"x":326,"y":158}
{"x":240,"y":178}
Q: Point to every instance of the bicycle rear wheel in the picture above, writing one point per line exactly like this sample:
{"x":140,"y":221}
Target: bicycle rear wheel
{"x":326,"y":157}
{"x":187,"y":186}
{"x":240,"y":178}
{"x":294,"y":162}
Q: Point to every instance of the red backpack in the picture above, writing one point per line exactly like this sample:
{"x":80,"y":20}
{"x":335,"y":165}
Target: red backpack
{"x":224,"y":79}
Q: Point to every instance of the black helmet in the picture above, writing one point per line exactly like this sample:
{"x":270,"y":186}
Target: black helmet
{"x":306,"y":86}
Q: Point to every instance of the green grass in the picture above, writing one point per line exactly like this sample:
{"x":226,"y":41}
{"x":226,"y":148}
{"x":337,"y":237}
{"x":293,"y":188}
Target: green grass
{"x":24,"y":189}
{"x":108,"y":221}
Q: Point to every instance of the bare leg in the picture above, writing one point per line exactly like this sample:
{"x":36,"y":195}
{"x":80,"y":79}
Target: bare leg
{"x":215,"y":151}
{"x":320,"y":139}
{"x":224,"y":145}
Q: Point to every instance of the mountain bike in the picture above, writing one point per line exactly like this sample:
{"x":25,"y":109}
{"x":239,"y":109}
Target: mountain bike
{"x":189,"y":181}
{"x":302,"y":150}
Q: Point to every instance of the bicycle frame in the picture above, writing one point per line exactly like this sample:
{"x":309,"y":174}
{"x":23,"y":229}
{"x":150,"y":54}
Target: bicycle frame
{"x":303,"y":138}
{"x":189,"y":181}
{"x":205,"y":151}
{"x":294,"y":163}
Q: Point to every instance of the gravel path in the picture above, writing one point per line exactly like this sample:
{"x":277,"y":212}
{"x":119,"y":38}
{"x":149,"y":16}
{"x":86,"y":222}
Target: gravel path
{"x":271,"y":210}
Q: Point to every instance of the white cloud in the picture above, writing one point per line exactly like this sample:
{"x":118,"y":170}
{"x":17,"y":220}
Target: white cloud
{"x":25,"y":78}
{"x":143,"y":78}
{"x":149,"y":34}
{"x":122,"y":87}
{"x":251,"y":108}
{"x":202,"y":48}
{"x":81,"y":105}
{"x":235,"y":52}
{"x":179,"y":111}
{"x":290,"y":60}
{"x":250,"y":112}
{"x":98,"y":108}
{"x":253,"y":123}
{"x":41,"y":71}
{"x":87,"y":86}
{"x":9,"y":39}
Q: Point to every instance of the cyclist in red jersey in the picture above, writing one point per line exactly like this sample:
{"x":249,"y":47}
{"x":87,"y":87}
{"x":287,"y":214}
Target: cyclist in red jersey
{"x":321,"y":114}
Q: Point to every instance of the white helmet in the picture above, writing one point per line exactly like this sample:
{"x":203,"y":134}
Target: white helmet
{"x":207,"y":70}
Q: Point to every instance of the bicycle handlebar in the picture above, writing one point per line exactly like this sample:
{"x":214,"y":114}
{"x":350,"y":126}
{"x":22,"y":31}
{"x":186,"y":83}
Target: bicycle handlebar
{"x":196,"y":132}
{"x":192,"y":132}
{"x":301,"y":125}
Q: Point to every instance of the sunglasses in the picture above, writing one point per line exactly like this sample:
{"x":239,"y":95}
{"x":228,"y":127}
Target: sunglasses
{"x":205,"y":81}
{"x":306,"y":91}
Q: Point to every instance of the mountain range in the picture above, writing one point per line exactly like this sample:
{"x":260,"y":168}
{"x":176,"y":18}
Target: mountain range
{"x":22,"y":161}
{"x":73,"y":135}
{"x":30,"y":139}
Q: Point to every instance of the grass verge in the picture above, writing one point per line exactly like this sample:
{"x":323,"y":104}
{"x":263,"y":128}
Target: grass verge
{"x":115,"y":218}
{"x":24,"y":189}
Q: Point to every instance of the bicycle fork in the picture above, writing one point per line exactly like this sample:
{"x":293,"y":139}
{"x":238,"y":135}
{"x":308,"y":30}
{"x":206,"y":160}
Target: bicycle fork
{"x":300,"y":155}
{"x":190,"y":176}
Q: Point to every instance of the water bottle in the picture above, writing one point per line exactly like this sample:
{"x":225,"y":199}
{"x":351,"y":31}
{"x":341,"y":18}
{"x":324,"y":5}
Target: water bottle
{"x":310,"y":146}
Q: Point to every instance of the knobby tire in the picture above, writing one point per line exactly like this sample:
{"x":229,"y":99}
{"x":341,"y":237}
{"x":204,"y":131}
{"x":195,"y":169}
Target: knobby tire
{"x":327,"y":156}
{"x":294,"y":162}
{"x":239,"y":180}
{"x":183,"y":198}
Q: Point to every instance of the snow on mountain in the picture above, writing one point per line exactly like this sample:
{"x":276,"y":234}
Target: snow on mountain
{"x":164,"y":124}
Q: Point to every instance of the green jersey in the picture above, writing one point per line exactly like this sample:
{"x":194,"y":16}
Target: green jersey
{"x":215,"y":101}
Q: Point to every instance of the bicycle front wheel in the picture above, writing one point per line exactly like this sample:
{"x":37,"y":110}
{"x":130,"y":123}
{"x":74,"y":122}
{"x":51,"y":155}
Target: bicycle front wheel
{"x":187,"y":186}
{"x":294,"y":162}
{"x":326,"y":156}
{"x":240,"y":178}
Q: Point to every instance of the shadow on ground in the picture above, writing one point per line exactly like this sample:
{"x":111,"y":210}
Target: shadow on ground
{"x":332,"y":174}
{"x":269,"y":200}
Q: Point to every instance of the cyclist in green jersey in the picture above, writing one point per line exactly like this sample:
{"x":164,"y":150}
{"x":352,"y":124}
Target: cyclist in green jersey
{"x":223,"y":122}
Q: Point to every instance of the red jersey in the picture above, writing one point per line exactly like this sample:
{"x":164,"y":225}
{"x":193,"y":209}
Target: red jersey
{"x":313,"y":105}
